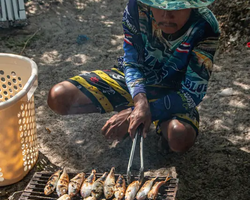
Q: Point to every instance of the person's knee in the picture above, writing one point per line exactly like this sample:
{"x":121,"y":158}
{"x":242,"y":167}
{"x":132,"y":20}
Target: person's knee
{"x":57,"y":98}
{"x":180,"y":135}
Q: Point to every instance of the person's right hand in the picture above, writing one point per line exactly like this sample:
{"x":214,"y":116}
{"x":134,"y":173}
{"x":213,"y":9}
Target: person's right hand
{"x":116,"y":127}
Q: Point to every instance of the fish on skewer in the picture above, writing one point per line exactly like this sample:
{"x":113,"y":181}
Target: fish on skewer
{"x":87,"y":184}
{"x":120,"y":188}
{"x":62,"y":184}
{"x":132,"y":189}
{"x":97,"y":188}
{"x":143,"y":192}
{"x":52,"y":182}
{"x":109,"y":184}
{"x":64,"y":197}
{"x":75,"y":184}
{"x":152,"y":195}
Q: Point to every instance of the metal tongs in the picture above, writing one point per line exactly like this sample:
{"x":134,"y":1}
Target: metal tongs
{"x":132,"y":152}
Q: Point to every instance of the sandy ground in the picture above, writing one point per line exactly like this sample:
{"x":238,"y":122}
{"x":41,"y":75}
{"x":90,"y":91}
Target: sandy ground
{"x":216,"y":168}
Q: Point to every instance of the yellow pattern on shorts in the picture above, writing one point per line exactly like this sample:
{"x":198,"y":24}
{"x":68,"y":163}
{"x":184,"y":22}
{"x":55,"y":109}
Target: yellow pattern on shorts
{"x":118,"y":71}
{"x":112,"y":83}
{"x":107,"y":106}
{"x":178,"y":116}
{"x":186,"y":117}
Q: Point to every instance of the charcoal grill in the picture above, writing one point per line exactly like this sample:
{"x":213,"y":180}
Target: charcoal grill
{"x":34,"y":189}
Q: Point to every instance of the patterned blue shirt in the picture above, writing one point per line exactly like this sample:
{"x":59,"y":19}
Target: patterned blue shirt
{"x":182,"y":63}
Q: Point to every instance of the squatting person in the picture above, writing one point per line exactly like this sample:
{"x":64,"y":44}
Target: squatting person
{"x":169,"y":47}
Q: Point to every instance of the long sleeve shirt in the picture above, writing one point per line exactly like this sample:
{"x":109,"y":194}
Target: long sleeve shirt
{"x":181,"y":62}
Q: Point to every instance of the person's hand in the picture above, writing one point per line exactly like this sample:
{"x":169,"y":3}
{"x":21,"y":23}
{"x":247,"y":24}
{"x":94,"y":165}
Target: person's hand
{"x":140,"y":115}
{"x":116,"y":127}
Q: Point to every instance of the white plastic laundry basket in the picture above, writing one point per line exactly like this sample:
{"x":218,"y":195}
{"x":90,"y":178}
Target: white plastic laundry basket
{"x":18,"y":138}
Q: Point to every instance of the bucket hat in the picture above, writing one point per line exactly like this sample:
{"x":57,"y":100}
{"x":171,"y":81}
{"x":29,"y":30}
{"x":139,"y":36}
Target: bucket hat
{"x":176,"y":4}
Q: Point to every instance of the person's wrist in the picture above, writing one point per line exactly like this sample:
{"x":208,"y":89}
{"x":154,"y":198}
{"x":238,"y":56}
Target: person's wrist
{"x":141,"y":98}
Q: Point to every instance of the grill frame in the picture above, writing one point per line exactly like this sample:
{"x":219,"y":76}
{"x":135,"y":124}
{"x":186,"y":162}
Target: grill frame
{"x":34,"y":189}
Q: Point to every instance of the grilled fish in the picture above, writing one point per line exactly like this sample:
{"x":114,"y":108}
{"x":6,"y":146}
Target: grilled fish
{"x":132,"y":190}
{"x":75,"y":184}
{"x":51,"y":184}
{"x":90,"y":198}
{"x":97,"y":188}
{"x":143,"y":192}
{"x":87,"y":184}
{"x":65,"y":197}
{"x":120,"y":188}
{"x":62,"y":184}
{"x":109,"y":184}
{"x":152,"y":195}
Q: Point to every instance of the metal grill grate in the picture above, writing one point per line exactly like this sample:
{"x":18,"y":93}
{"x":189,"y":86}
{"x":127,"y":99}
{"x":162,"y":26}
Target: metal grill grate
{"x":34,"y":189}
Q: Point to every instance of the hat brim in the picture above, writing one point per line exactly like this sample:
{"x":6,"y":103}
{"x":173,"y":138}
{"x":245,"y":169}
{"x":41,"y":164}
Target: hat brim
{"x":176,"y":4}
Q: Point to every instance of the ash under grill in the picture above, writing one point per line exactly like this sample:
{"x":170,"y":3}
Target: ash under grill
{"x":34,"y":189}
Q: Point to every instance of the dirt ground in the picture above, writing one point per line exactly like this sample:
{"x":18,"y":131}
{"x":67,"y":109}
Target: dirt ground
{"x":216,"y":168}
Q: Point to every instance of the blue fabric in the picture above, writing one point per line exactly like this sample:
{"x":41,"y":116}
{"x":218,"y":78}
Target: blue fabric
{"x":183,"y":65}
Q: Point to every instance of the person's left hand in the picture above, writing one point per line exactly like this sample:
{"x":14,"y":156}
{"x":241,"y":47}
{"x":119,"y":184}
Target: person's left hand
{"x":140,"y":115}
